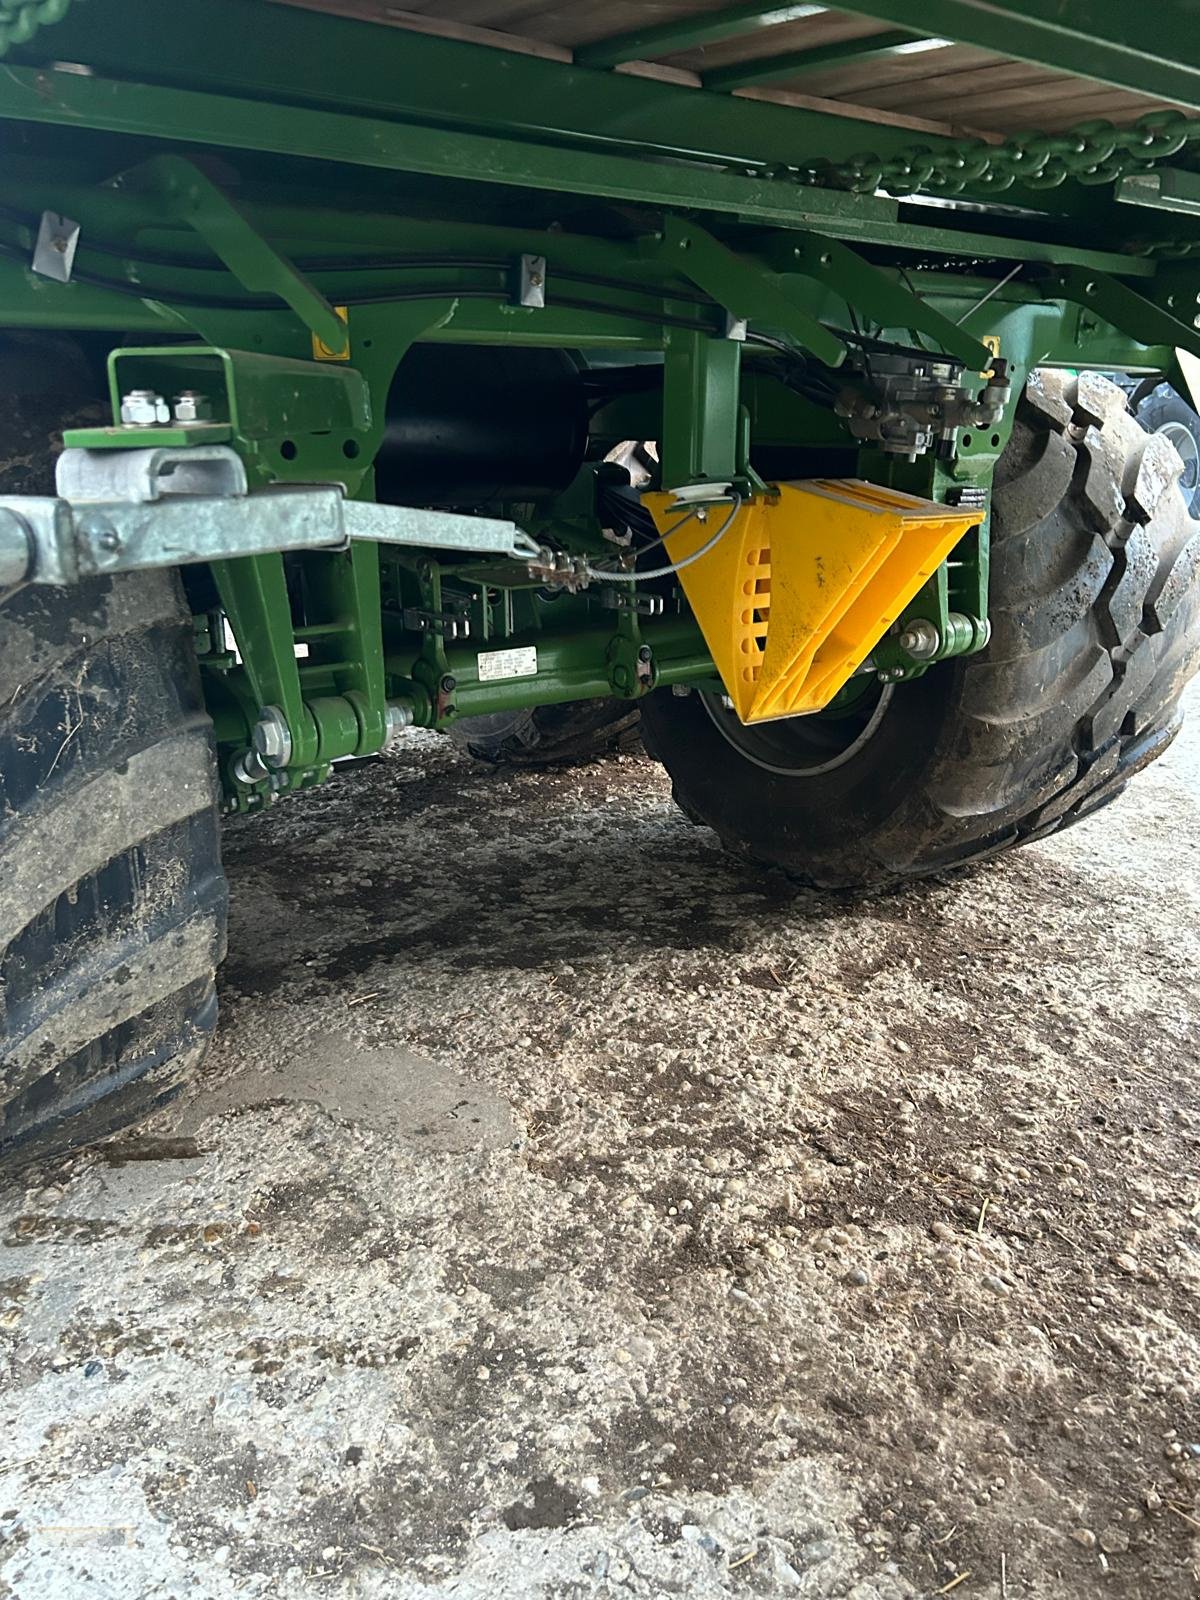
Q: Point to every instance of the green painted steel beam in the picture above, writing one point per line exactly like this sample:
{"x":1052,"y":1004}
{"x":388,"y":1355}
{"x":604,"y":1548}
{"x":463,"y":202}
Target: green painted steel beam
{"x":301,"y":229}
{"x":699,"y":434}
{"x":306,"y":60}
{"x":1127,"y":310}
{"x":744,"y":289}
{"x":1167,"y":189}
{"x":687,"y":33}
{"x":392,"y":146}
{"x":287,"y":57}
{"x":1106,"y":40}
{"x":104,"y":104}
{"x":794,"y":63}
{"x":192,"y":197}
{"x":874,"y":293}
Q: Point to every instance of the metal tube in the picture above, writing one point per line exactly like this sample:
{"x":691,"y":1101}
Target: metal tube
{"x":570,"y":667}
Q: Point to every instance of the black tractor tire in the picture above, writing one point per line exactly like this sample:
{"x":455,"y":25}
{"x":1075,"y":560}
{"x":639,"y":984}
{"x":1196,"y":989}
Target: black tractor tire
{"x":1095,"y":605}
{"x":112,"y":898}
{"x":551,"y":736}
{"x":1166,"y":412}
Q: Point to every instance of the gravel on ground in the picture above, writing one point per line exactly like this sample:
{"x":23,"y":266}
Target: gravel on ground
{"x":570,"y":1211}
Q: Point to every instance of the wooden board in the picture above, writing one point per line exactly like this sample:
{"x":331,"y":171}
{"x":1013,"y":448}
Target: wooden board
{"x":954,"y":89}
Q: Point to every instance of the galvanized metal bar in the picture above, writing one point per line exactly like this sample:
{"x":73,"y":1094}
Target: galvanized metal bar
{"x":436,"y":530}
{"x":63,"y":541}
{"x":1105,"y":40}
{"x":686,"y":33}
{"x":794,"y":63}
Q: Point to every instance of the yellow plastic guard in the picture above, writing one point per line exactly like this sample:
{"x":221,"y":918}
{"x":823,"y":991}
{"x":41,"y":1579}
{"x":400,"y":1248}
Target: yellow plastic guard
{"x":797,"y":593}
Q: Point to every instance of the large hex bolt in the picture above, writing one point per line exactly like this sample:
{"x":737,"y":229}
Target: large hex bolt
{"x":272,"y":738}
{"x":143,"y":408}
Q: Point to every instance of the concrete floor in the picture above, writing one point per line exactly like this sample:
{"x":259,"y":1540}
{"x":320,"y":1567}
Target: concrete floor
{"x":567,"y":1210}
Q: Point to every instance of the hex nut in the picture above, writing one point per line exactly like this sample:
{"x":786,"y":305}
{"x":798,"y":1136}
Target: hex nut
{"x":143,"y":408}
{"x":192,"y":406}
{"x":921,"y":640}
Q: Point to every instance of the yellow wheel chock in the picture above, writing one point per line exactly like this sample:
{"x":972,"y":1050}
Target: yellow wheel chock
{"x":805,"y":582}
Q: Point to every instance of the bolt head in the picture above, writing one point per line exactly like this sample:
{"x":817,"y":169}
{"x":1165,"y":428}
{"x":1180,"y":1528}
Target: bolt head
{"x":272,"y":737}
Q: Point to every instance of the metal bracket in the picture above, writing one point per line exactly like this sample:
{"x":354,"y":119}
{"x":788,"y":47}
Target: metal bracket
{"x":529,"y":286}
{"x":880,"y":297}
{"x":121,"y":511}
{"x":1167,"y":189}
{"x":642,"y":605}
{"x":145,"y":476}
{"x":452,"y":626}
{"x":743,"y":287}
{"x":54,"y":250}
{"x":193,"y":198}
{"x":1130,"y":312}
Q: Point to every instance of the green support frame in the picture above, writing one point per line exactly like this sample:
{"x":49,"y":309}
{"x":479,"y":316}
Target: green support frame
{"x":795,"y":63}
{"x":1100,"y":39}
{"x":706,"y":211}
{"x":686,"y":33}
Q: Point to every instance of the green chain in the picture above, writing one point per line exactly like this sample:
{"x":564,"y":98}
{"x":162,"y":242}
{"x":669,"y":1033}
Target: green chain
{"x":1094,"y":152}
{"x":21,"y":19}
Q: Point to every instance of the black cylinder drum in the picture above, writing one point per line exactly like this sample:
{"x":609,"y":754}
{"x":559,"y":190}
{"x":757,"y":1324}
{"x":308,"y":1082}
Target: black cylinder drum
{"x":468,"y":424}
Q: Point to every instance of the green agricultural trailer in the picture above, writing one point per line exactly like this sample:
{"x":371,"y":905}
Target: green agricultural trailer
{"x":762,"y":380}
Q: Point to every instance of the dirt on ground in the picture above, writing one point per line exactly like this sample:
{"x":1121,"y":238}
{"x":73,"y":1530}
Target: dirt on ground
{"x":570,"y":1211}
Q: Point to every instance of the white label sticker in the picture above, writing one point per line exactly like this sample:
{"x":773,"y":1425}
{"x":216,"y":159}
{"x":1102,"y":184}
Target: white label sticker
{"x":495,"y":664}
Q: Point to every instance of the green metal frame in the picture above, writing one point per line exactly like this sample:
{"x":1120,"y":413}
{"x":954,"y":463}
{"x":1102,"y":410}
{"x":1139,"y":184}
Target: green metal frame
{"x":820,"y":58}
{"x":715,"y":210}
{"x":1099,"y":39}
{"x":687,"y":33}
